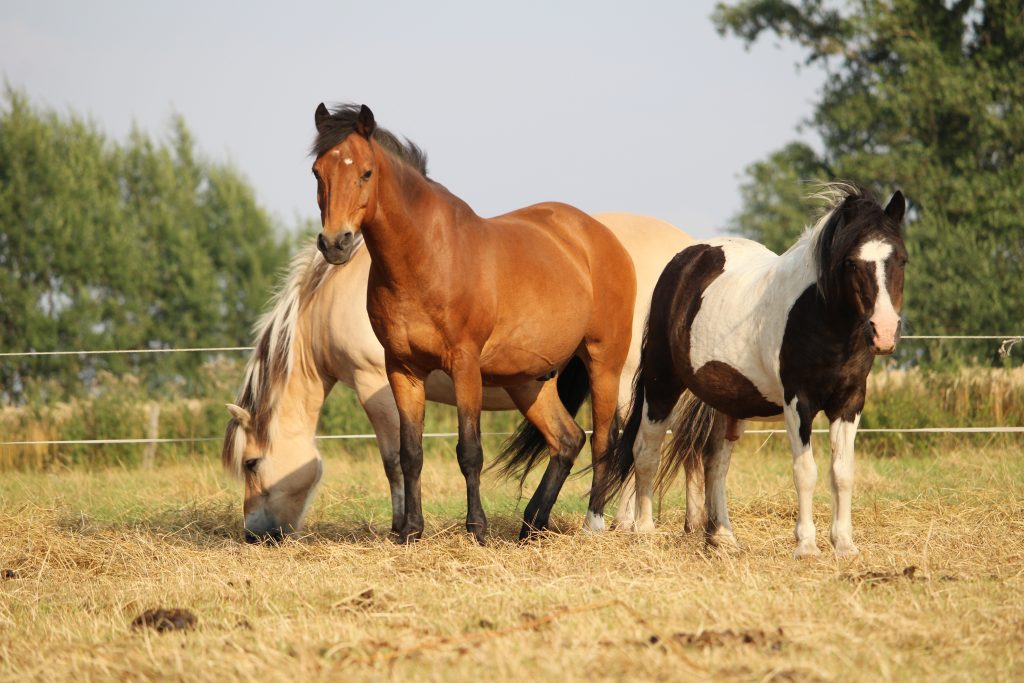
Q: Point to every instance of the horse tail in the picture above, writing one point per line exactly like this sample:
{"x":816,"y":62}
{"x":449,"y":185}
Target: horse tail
{"x":619,"y":456}
{"x":694,"y":425}
{"x":527,"y":446}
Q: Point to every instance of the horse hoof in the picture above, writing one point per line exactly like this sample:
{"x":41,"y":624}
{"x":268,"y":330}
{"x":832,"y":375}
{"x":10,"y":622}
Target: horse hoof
{"x":409,"y":536}
{"x":846,"y":550}
{"x":643,"y":526}
{"x":594,"y":523}
{"x":806,"y":550}
{"x":723,"y":542}
{"x":479,"y":535}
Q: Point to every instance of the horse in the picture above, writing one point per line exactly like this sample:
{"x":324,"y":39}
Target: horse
{"x":316,"y":334}
{"x":498,"y":301}
{"x":736,"y":332}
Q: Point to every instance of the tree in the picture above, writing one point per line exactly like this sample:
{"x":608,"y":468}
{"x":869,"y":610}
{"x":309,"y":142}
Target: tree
{"x":922,"y":95}
{"x":137,"y":245}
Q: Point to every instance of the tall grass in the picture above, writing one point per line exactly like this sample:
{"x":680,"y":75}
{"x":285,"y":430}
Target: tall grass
{"x":119,"y":405}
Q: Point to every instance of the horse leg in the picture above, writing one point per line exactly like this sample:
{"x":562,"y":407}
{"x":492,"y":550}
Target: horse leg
{"x":604,"y":388}
{"x":805,"y":475}
{"x":842,"y":434}
{"x":696,"y":519}
{"x":564,"y":437}
{"x":718,"y":531}
{"x":379,"y":403}
{"x":410,"y":397}
{"x":626,"y":513}
{"x":465,"y":374}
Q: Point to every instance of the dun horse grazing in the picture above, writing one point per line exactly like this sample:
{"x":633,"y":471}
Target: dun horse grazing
{"x":500,"y":301}
{"x":756,"y":335}
{"x":317,"y":334}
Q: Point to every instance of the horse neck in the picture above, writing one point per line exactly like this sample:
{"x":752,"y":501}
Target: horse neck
{"x":837,"y":325}
{"x":403,"y":237}
{"x":300,"y":399}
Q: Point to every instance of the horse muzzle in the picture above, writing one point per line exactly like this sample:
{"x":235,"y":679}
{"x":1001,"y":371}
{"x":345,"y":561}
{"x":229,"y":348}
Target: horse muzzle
{"x":882,"y":338}
{"x":339,"y":249}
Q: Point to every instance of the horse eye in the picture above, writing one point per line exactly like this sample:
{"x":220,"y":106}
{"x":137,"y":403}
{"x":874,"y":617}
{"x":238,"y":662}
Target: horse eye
{"x":366,"y":176}
{"x":251,"y":464}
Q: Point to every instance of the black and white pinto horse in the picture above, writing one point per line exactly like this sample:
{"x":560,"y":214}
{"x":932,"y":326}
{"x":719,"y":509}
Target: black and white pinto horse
{"x":755,"y":335}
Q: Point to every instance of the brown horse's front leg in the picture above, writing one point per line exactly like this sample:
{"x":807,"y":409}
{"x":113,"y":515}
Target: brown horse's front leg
{"x":410,"y":396}
{"x":465,"y":374}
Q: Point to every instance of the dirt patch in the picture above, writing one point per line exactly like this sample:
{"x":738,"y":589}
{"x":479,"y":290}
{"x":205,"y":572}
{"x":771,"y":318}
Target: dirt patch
{"x":769,"y":640}
{"x":363,"y":601}
{"x":911,"y":573}
{"x":175,"y":619}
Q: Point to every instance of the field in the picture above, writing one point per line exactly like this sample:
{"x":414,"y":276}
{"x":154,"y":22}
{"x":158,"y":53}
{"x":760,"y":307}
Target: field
{"x":937,"y":594}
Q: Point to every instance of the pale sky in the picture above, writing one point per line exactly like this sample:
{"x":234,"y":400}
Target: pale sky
{"x":636,"y":106}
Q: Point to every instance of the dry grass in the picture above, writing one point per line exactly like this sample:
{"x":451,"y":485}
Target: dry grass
{"x":90,"y":551}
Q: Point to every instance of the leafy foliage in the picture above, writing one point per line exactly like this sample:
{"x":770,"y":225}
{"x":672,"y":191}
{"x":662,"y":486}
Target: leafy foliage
{"x":920,"y":95}
{"x":133,"y":245}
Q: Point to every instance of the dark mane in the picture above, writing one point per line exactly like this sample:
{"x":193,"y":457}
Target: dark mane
{"x":853,"y":217}
{"x":342,"y":123}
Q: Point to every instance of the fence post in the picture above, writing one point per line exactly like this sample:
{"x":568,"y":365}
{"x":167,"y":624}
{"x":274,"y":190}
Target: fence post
{"x":148,"y":455}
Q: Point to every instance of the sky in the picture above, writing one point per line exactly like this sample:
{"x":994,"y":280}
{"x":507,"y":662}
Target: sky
{"x":610,"y":106}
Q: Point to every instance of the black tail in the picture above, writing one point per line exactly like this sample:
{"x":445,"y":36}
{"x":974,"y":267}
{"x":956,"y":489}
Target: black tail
{"x":619,"y":455}
{"x":527,"y":446}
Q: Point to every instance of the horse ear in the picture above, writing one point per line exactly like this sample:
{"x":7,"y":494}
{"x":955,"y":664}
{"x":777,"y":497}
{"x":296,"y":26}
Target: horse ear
{"x":321,"y":115}
{"x":896,"y":207}
{"x":240,"y":414}
{"x":365,"y":125}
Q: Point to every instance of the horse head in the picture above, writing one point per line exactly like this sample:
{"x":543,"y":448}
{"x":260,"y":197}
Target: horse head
{"x":345,"y":180}
{"x":861,"y":263}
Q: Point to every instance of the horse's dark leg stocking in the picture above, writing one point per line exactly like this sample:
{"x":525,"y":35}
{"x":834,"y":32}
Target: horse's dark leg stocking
{"x":469,"y":397}
{"x":565,"y":439}
{"x":410,"y":397}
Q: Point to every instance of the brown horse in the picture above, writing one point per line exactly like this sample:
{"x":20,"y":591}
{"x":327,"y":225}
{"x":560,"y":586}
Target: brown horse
{"x":504,"y":301}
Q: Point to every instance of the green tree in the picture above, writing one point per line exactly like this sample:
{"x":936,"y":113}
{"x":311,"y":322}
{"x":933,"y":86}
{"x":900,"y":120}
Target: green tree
{"x":922,"y":95}
{"x":133,"y":245}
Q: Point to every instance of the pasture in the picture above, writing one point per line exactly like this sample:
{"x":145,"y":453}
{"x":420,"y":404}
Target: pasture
{"x":937,"y":594}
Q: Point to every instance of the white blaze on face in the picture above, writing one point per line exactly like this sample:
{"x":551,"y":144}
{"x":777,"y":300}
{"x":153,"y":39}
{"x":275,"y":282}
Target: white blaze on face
{"x":348,"y":162}
{"x":884,"y":319}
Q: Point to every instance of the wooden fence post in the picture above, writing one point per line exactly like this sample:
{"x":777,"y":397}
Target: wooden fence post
{"x":148,"y":455}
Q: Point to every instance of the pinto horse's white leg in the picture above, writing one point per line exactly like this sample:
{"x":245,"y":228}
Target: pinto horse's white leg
{"x":842,"y":435}
{"x":805,"y":476}
{"x":718,"y":530}
{"x":646,"y":460}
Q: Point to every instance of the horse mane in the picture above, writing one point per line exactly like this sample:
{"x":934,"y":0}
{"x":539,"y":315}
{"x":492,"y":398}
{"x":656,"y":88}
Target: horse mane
{"x":852,"y":214}
{"x":342,"y":123}
{"x":270,"y":364}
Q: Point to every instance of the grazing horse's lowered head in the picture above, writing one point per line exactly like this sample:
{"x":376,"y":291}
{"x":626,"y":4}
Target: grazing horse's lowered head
{"x":269,"y":441}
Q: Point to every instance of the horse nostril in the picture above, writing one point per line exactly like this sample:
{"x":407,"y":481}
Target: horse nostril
{"x":346,"y":239}
{"x":321,"y":243}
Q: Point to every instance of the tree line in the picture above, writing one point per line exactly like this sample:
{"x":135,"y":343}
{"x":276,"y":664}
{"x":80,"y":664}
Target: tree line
{"x":145,"y":244}
{"x":922,"y":95}
{"x":135,"y":244}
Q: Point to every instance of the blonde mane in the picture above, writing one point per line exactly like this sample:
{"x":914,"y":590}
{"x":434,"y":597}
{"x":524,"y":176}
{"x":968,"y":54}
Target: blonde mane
{"x":270,"y":364}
